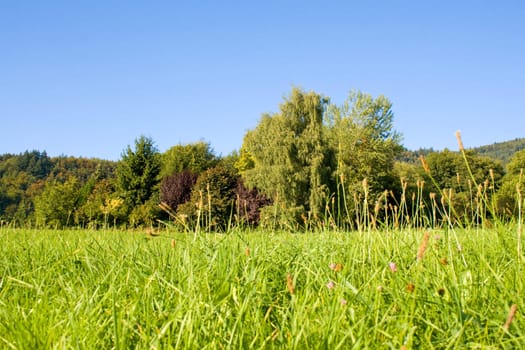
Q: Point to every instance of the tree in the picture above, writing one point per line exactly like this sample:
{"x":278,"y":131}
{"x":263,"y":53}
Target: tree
{"x":212,"y":199}
{"x":513,"y":185}
{"x":18,"y":174}
{"x":138,"y":173}
{"x":287,"y":156}
{"x":176,"y":189}
{"x":364,"y":142}
{"x":57,"y":204}
{"x":470,"y":192}
{"x":194,"y":157}
{"x":312,"y":153}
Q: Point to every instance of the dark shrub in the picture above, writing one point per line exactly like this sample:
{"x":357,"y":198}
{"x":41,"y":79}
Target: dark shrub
{"x":176,"y":189}
{"x":249,"y":203}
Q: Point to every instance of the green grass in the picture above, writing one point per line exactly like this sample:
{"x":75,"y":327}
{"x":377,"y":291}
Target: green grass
{"x":102,"y":290}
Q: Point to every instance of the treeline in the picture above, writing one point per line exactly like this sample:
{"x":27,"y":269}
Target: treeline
{"x":312,"y":165}
{"x":501,"y":150}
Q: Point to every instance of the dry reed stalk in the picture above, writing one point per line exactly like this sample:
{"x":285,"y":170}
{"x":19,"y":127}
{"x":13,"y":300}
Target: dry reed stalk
{"x":510,"y":317}
{"x":423,"y":246}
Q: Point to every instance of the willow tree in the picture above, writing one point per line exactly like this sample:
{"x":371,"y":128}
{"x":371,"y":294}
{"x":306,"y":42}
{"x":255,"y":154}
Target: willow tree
{"x":312,"y":154}
{"x":286,"y":158}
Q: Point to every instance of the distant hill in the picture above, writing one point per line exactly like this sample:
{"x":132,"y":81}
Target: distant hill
{"x":501,"y":150}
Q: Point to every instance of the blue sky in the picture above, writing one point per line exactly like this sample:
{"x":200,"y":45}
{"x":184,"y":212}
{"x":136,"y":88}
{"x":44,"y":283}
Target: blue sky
{"x":85,"y":78}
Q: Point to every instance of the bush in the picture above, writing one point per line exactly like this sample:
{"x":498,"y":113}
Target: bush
{"x":176,"y":189}
{"x":249,"y":203}
{"x":212,"y":199}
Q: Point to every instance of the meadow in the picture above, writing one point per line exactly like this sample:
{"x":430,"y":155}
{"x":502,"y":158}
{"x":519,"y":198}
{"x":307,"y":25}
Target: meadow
{"x":391,"y":289}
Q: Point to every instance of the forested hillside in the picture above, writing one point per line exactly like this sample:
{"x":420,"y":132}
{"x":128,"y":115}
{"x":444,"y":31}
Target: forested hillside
{"x":501,"y":150}
{"x":311,"y":165}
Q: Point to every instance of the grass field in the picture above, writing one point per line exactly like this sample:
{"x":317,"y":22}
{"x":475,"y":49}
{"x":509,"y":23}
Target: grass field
{"x":393,"y":290}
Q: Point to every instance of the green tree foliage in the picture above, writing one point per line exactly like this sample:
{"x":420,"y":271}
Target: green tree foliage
{"x":365,"y":146}
{"x":513,"y":185}
{"x":502,"y":151}
{"x":57,"y":204}
{"x":20,"y":176}
{"x":100,"y":204}
{"x":230,"y":161}
{"x":194,"y":157}
{"x":311,"y":151}
{"x":413,"y":157}
{"x":138,"y":171}
{"x":450,"y":171}
{"x":84,"y":169}
{"x":212,"y":199}
{"x":468,"y":189}
{"x":289,"y":155}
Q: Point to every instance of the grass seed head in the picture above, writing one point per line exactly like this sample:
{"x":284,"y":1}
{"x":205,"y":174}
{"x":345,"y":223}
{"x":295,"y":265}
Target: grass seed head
{"x":424,"y":164}
{"x":460,"y":142}
{"x":510,"y":317}
{"x":289,"y":283}
{"x":423,"y":246}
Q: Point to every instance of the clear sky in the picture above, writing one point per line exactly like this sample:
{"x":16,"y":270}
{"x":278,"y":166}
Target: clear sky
{"x":85,"y":78}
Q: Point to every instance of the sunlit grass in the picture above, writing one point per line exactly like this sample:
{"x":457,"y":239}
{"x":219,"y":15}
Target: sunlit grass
{"x":89,"y":289}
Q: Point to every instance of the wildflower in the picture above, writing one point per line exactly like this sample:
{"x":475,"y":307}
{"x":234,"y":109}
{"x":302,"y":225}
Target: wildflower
{"x":443,"y":261}
{"x":460,"y":247}
{"x":411,"y":287}
{"x":380,"y":288}
{"x":330,"y":285}
{"x":393,"y":266}
{"x":336,"y":267}
{"x":247,"y":251}
{"x":344,"y":302}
